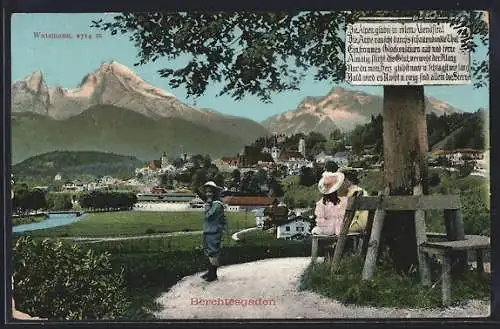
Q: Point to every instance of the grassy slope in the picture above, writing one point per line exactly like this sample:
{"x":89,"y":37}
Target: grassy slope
{"x":75,"y":164}
{"x":388,"y":289}
{"x":116,"y":130}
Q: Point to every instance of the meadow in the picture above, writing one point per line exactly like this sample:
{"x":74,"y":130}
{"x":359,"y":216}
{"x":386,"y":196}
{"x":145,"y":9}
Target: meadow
{"x":133,"y":223}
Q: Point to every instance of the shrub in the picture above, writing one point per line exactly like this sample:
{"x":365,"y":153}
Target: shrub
{"x":476,"y":212}
{"x":434,"y":179}
{"x":465,"y":169}
{"x":60,"y":281}
{"x":59,"y":201}
{"x":301,"y":196}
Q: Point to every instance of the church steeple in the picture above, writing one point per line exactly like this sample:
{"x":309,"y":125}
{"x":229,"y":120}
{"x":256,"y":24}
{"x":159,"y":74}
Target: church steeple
{"x":164,"y":160}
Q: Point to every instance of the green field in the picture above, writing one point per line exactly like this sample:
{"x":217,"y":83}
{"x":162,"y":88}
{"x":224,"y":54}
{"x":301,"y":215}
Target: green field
{"x":130,"y":223}
{"x":178,"y":243}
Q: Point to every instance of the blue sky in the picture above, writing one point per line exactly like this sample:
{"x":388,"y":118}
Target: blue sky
{"x":65,"y":62}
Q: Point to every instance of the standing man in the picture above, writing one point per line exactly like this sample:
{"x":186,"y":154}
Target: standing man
{"x":214,"y":225}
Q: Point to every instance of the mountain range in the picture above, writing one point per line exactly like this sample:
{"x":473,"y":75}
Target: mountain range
{"x":340,"y":108}
{"x":113,"y":110}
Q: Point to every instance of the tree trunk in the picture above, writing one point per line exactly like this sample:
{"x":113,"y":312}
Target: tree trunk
{"x":405,"y":149}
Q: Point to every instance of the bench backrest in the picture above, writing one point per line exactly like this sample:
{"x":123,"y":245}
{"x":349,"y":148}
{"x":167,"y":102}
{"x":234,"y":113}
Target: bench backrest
{"x":401,"y":203}
{"x":449,"y":203}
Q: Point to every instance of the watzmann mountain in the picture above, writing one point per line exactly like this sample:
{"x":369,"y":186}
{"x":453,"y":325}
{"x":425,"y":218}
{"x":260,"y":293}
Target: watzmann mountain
{"x":114,"y":86}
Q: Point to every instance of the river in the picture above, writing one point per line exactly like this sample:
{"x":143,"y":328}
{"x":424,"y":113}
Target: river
{"x":54,"y":220}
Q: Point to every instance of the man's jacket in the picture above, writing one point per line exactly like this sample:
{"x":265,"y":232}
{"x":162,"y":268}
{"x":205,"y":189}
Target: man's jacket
{"x":215,"y":221}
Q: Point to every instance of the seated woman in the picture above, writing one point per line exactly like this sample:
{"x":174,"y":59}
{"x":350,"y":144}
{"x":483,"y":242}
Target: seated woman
{"x":330,"y":208}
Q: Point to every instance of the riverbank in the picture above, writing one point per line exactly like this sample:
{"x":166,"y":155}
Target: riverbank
{"x":35,"y":218}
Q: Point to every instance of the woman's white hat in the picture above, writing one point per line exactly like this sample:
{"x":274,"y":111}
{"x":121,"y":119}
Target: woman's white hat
{"x":330,"y":182}
{"x":212,"y":184}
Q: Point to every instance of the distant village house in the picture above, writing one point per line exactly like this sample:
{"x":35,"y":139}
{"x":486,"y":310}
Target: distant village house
{"x":295,"y":226}
{"x":247,"y":203}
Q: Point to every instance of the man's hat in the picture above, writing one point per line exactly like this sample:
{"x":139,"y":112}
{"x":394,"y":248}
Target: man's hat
{"x":212,"y":184}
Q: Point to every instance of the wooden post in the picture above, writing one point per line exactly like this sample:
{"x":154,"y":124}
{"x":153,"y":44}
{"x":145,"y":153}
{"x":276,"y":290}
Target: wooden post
{"x":455,"y":232}
{"x":368,"y":230}
{"x":479,"y":261}
{"x":339,"y":248}
{"x":421,"y":235}
{"x":446,"y":280}
{"x":373,"y":245}
{"x":314,"y":249}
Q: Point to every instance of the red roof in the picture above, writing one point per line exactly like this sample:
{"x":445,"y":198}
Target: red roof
{"x":155,"y":164}
{"x":249,"y":200}
{"x":287,"y":155}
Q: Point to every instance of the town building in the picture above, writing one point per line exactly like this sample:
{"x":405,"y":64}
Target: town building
{"x":343,"y":159}
{"x":197,"y":203}
{"x":459,"y":156}
{"x":295,"y":226}
{"x":275,"y":153}
{"x":323,"y":158}
{"x":248,"y":158}
{"x":302,"y":147}
{"x":154,"y":165}
{"x":484,"y":163}
{"x":290,"y":156}
{"x":279,"y":138}
{"x":44,"y":189}
{"x":108,"y":180}
{"x":226,"y":163}
{"x":247,"y":203}
{"x":166,"y":197}
{"x":259,"y":217}
{"x":73,"y":186}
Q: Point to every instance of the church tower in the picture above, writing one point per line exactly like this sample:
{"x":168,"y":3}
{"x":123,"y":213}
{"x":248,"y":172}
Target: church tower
{"x":302,"y":146}
{"x":164,"y":160}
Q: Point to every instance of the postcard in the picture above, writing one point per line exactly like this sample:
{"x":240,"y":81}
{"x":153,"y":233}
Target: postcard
{"x":250,"y":165}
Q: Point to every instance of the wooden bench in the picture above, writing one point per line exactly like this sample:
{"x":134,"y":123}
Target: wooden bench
{"x":453,"y":250}
{"x":446,"y":250}
{"x":355,"y":237}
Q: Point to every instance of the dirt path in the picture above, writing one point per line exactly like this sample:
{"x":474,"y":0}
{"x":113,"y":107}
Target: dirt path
{"x":274,"y":282}
{"x":235,"y":236}
{"x":135,"y":237}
